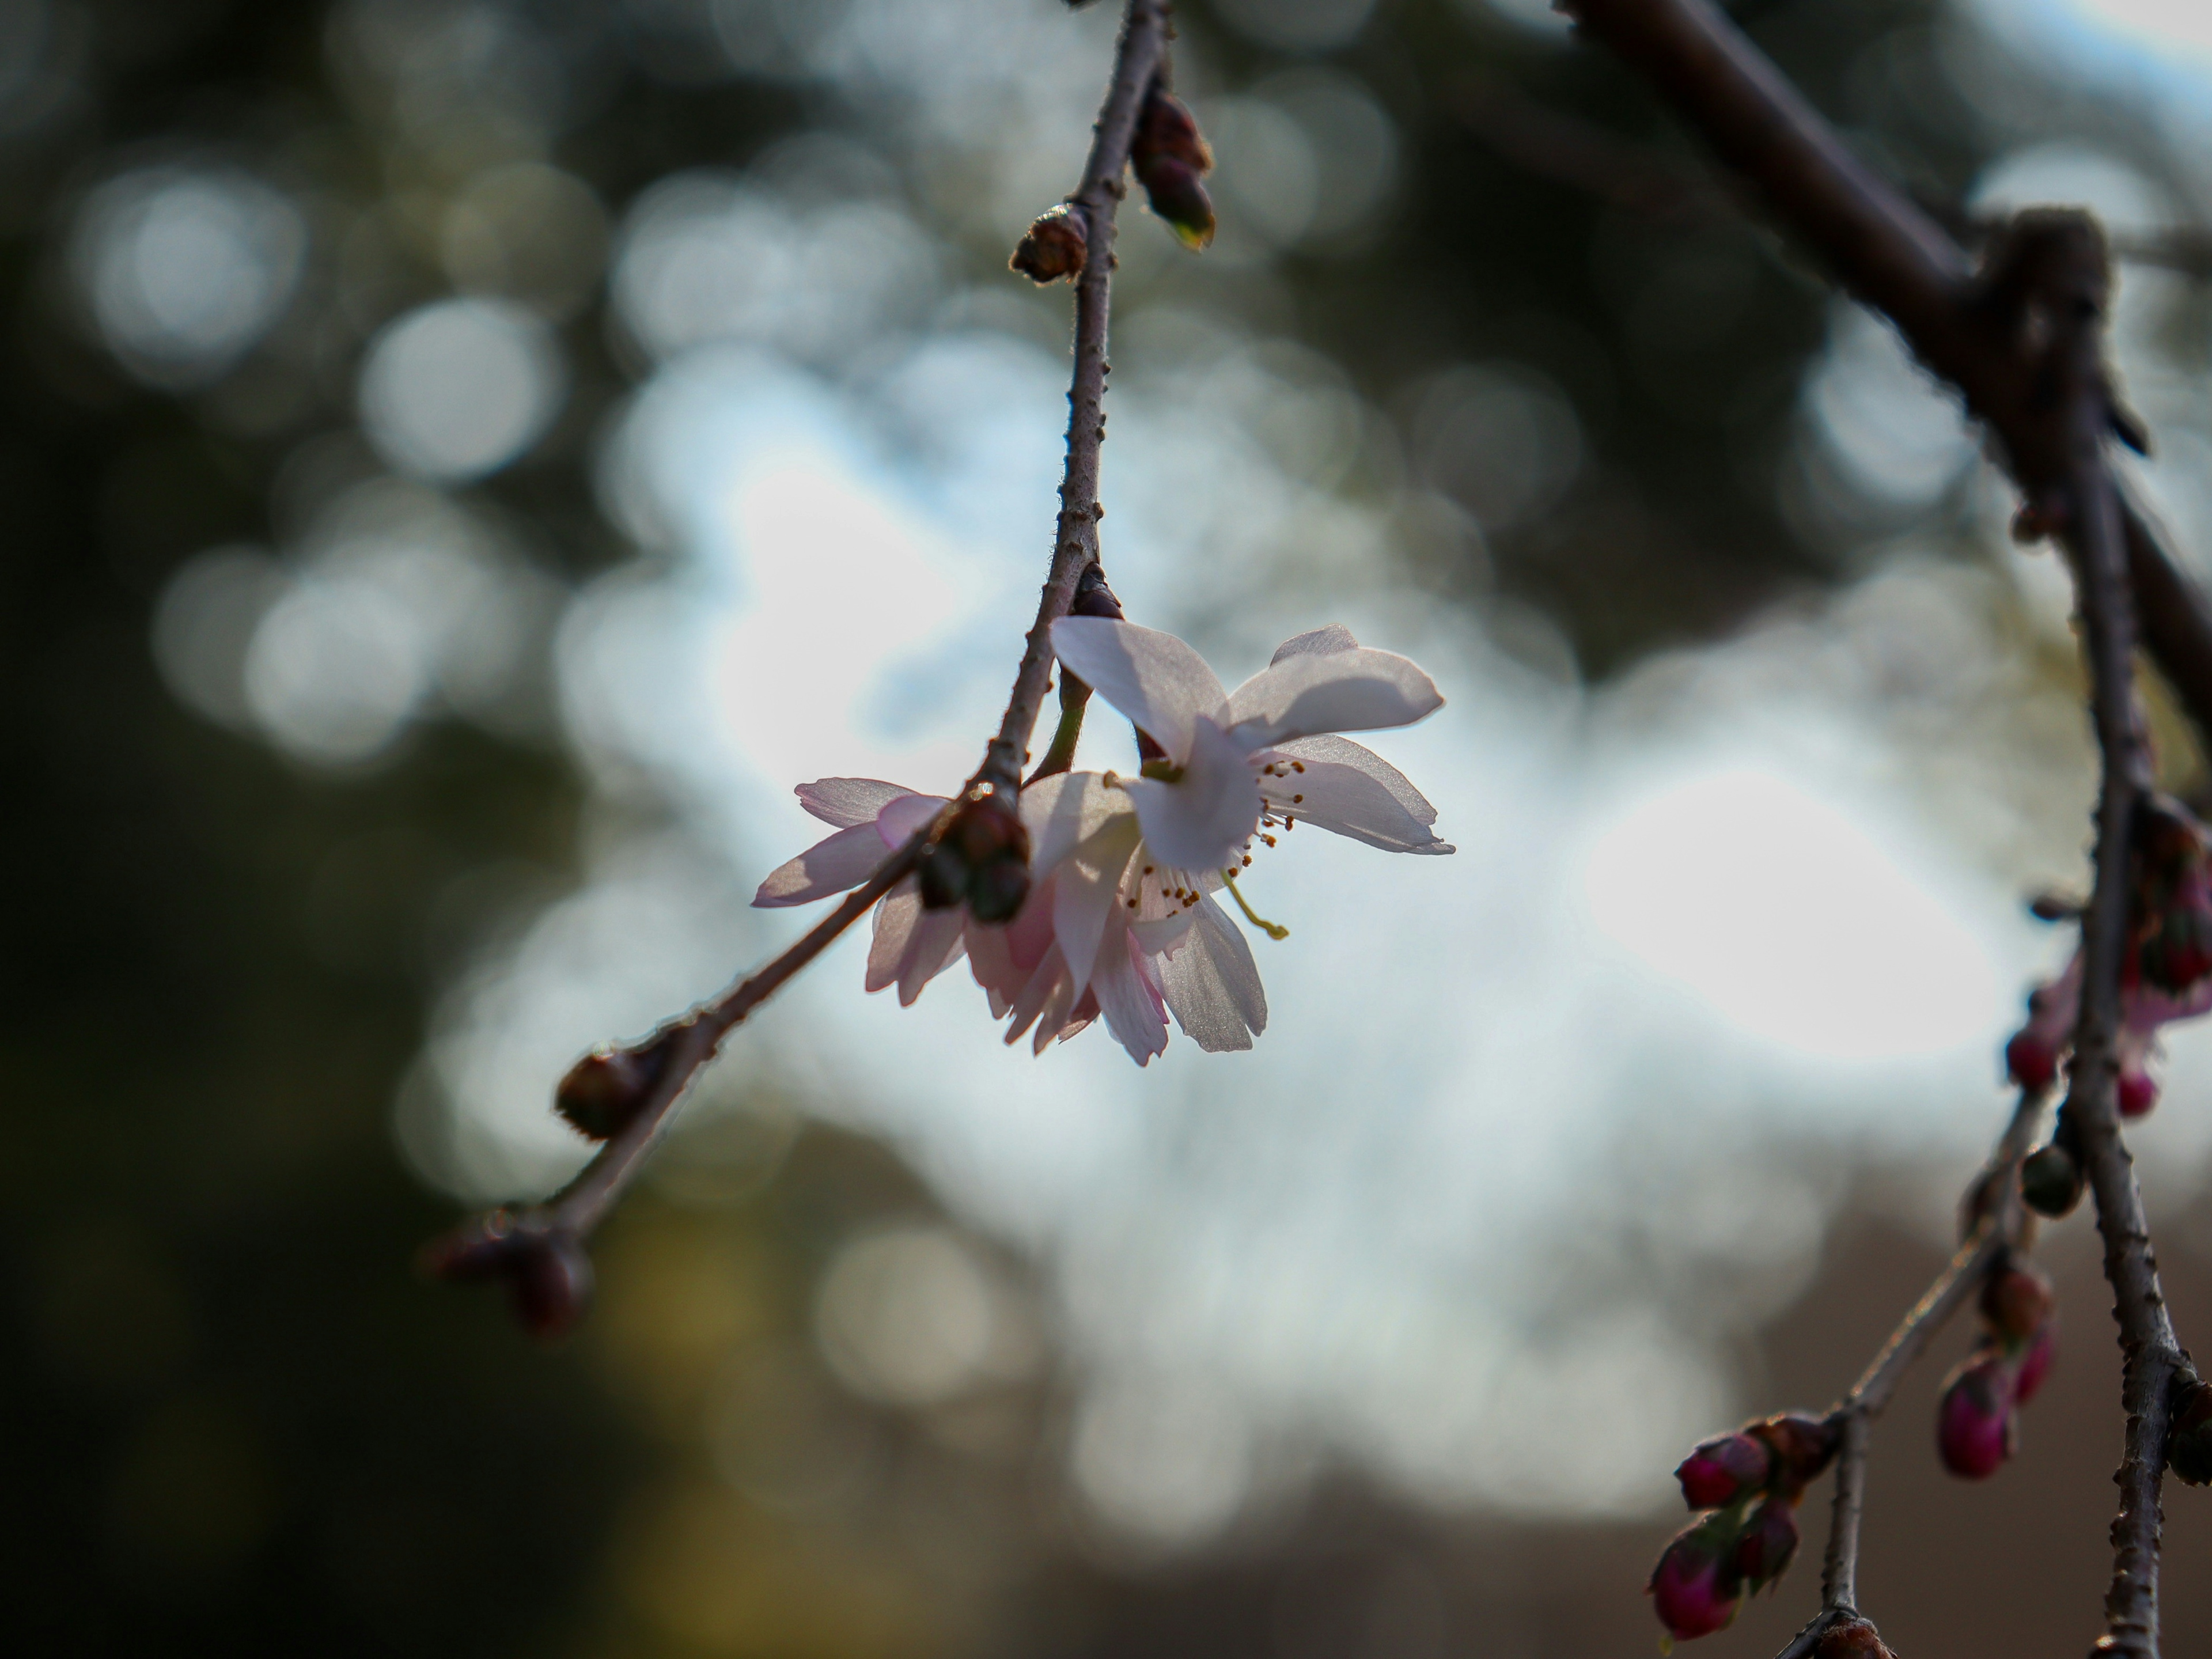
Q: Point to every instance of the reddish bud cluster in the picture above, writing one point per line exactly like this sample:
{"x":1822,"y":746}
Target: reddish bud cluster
{"x":1749,"y":1483}
{"x":980,"y":859}
{"x":1977,"y":1420}
{"x":1055,"y":245}
{"x":1171,"y":158}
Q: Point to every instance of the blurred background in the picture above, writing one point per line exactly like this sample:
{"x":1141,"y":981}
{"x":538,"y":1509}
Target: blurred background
{"x":464,"y":462}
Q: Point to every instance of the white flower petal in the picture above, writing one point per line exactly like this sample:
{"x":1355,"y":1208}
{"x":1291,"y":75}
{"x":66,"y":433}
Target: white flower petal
{"x":847,"y":801}
{"x":1354,"y":791}
{"x":1321,"y":642}
{"x":1354,"y":689}
{"x":844,"y":860}
{"x":896,"y":917}
{"x":1086,"y":886}
{"x":1201,"y":821}
{"x":1061,"y":810}
{"x":1154,"y":678}
{"x":936,"y":945}
{"x":900,"y":818}
{"x":1213,"y":985}
{"x":1135,"y":1014}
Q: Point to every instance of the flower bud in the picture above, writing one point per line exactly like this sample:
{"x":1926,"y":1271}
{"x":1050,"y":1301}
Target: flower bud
{"x":2017,"y":1302}
{"x":1055,"y":247}
{"x":1172,"y":188}
{"x":1166,"y":128}
{"x":2188,"y":1442}
{"x":981,"y":858}
{"x":2032,"y":1060}
{"x":1719,"y":1471}
{"x":2178,"y":952}
{"x":2136,"y":1092}
{"x":1802,"y":1446}
{"x":1855,"y":1638}
{"x":547,"y":1275}
{"x":2034,"y":1364}
{"x":2051,"y":1180}
{"x":1691,"y":1588}
{"x":604,"y":1089}
{"x":1766,"y":1545}
{"x":1975,"y":1430}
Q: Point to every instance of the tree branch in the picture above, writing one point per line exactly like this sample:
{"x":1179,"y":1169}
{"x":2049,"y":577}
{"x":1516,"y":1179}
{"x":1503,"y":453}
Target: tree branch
{"x":1892,"y":256}
{"x":538,"y":1252}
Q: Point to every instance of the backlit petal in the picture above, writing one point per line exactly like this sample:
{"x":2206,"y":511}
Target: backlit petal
{"x":1154,"y":678}
{"x":936,"y":945}
{"x":1321,"y":642}
{"x":1213,"y":985}
{"x":844,"y":860}
{"x":1201,"y":821}
{"x":1135,"y":1014}
{"x":897,"y":823}
{"x":1354,"y":689}
{"x":1059,"y":811}
{"x":847,"y":801}
{"x":895,"y":920}
{"x":1352,"y":791}
{"x":1086,"y":886}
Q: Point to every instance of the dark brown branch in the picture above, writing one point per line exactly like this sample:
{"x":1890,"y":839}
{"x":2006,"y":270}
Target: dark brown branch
{"x":1075,"y":546}
{"x":1895,"y":257}
{"x":539,"y":1251}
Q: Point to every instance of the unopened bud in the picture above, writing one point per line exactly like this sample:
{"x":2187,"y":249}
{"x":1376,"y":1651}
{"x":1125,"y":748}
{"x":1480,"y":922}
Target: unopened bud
{"x":1719,"y":1471}
{"x":1855,"y":1638}
{"x":2017,"y":1302}
{"x":1055,"y":247}
{"x":2034,"y":1364}
{"x":1692,"y":1589}
{"x":2032,"y":1060}
{"x":2051,"y":1180}
{"x":608,"y":1087}
{"x":1166,"y":129}
{"x":1803,"y":1444}
{"x":2135,"y":1093}
{"x":1975,"y":1430}
{"x":2189,"y":1442}
{"x":546,"y":1276}
{"x":1172,"y":188}
{"x":1764,"y":1548}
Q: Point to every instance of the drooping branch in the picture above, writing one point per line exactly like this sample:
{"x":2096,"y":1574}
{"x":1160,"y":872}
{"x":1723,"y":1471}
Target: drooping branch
{"x":2022,"y":339}
{"x":629,"y":1094}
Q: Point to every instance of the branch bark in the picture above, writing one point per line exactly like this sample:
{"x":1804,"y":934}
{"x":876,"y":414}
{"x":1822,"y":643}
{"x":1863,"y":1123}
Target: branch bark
{"x":2022,"y":340}
{"x":539,"y":1251}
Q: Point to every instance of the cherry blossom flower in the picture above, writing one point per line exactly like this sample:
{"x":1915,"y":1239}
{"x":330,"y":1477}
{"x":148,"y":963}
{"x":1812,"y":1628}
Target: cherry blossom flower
{"x":1265,"y":754}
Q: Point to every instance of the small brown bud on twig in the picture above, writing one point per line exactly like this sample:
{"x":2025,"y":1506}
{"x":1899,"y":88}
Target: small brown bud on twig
{"x":2051,"y":1180}
{"x":1170,"y":156}
{"x":2017,"y":1302}
{"x":604,"y":1089}
{"x":1855,"y":1638}
{"x":1803,"y":1446}
{"x":547,"y":1275}
{"x":1055,"y":245}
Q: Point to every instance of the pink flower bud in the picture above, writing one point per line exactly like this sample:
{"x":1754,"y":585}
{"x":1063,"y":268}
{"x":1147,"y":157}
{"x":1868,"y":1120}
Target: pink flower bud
{"x":2135,"y":1093}
{"x":2017,"y":1302}
{"x":2032,"y":1060}
{"x":1974,"y":1425}
{"x":1719,"y":1471}
{"x":2034,"y":1364}
{"x":1767,"y":1543}
{"x":1690,"y":1590}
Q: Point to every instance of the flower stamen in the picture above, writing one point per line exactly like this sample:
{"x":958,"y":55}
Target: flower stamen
{"x":1274,"y":930}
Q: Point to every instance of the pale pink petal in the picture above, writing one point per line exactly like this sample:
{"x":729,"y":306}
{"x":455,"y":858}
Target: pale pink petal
{"x":1086,"y":886}
{"x":1154,"y":678}
{"x":899,"y":819}
{"x":992,"y":964}
{"x":1201,"y":821}
{"x":936,"y":945}
{"x":896,"y":917}
{"x":845,"y":860}
{"x":1133,"y":1010}
{"x":1356,"y":689}
{"x":1321,"y":642}
{"x":1036,"y":994}
{"x":1213,"y":985}
{"x":1353,"y":797}
{"x":1052,"y":1018}
{"x":847,"y":801}
{"x":1064,"y":810}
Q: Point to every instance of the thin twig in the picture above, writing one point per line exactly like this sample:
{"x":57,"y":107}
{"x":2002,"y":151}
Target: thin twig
{"x":518,"y":1246}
